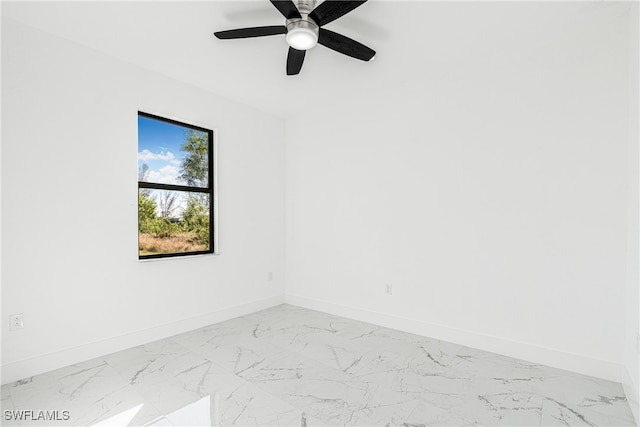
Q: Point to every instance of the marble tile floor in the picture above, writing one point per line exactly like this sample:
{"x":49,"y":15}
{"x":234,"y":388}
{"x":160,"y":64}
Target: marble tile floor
{"x":292,"y":366}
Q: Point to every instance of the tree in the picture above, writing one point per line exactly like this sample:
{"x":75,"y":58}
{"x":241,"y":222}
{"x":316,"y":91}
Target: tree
{"x":146,"y":203}
{"x":195,"y":166}
{"x":143,"y":175}
{"x":195,"y":172}
{"x":167,"y":202}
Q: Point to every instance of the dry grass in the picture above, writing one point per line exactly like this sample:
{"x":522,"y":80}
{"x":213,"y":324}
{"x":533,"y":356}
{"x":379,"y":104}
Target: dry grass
{"x":181,"y":242}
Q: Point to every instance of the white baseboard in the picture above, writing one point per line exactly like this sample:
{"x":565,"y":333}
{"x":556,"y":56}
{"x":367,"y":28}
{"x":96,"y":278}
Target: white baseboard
{"x":630,"y":387}
{"x":546,"y":356}
{"x":14,"y":371}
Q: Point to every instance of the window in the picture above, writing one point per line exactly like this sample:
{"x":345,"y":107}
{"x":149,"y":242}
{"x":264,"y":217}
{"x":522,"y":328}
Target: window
{"x":175,"y":188}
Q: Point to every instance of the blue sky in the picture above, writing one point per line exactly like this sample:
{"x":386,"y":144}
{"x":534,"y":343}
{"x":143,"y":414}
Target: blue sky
{"x":159,"y":147}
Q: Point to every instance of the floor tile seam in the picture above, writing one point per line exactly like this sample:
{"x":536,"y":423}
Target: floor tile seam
{"x":161,"y":373}
{"x":467,"y":419}
{"x":209,"y":360}
{"x":126,"y":380}
{"x":370,"y":349}
{"x":31,"y":384}
{"x":260,"y":385}
{"x":273,"y":395}
{"x":352,"y":375}
{"x":323,"y":363}
{"x":571,"y":407}
{"x":50,"y":384}
{"x":117,"y":393}
{"x":303,"y":356}
{"x":331,"y":368}
{"x":133,"y":389}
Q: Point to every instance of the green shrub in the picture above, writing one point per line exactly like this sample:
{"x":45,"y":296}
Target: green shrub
{"x":146,"y":212}
{"x":196,"y":219}
{"x":163,"y":227}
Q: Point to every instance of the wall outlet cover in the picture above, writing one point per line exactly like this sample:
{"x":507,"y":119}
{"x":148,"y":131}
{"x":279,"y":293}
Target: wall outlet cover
{"x":16,"y":322}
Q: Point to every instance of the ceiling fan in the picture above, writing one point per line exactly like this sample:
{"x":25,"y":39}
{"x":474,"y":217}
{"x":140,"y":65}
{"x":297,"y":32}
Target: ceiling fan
{"x":303,"y":30}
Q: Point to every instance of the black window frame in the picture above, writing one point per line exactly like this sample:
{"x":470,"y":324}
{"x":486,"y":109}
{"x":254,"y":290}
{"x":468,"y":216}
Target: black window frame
{"x":187,"y":188}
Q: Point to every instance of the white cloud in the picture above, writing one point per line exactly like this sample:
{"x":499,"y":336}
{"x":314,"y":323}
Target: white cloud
{"x":165,"y":175}
{"x":146,"y":155}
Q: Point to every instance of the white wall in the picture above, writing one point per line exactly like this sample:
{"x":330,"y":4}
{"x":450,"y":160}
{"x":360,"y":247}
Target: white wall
{"x":69,"y":220}
{"x":491,"y":193}
{"x":631,"y":372}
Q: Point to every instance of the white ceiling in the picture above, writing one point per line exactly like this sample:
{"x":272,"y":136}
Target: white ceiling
{"x":412,"y":39}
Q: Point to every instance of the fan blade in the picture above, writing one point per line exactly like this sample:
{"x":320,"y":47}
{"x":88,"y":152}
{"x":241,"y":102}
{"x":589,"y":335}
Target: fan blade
{"x":295,"y":58}
{"x":287,"y":8}
{"x":243,"y":33}
{"x":330,"y":10}
{"x":345,"y":45}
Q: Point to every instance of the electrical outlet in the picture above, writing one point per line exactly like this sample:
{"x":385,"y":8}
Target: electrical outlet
{"x":388,"y":289}
{"x":270,"y":276}
{"x":16,"y":322}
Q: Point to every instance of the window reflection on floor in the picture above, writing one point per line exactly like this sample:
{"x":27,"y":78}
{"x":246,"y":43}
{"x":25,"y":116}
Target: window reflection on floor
{"x":198,"y":413}
{"x":121,"y":419}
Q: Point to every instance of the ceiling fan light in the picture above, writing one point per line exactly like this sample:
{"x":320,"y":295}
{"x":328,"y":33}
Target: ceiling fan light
{"x":302,"y":35}
{"x":302,"y":39}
